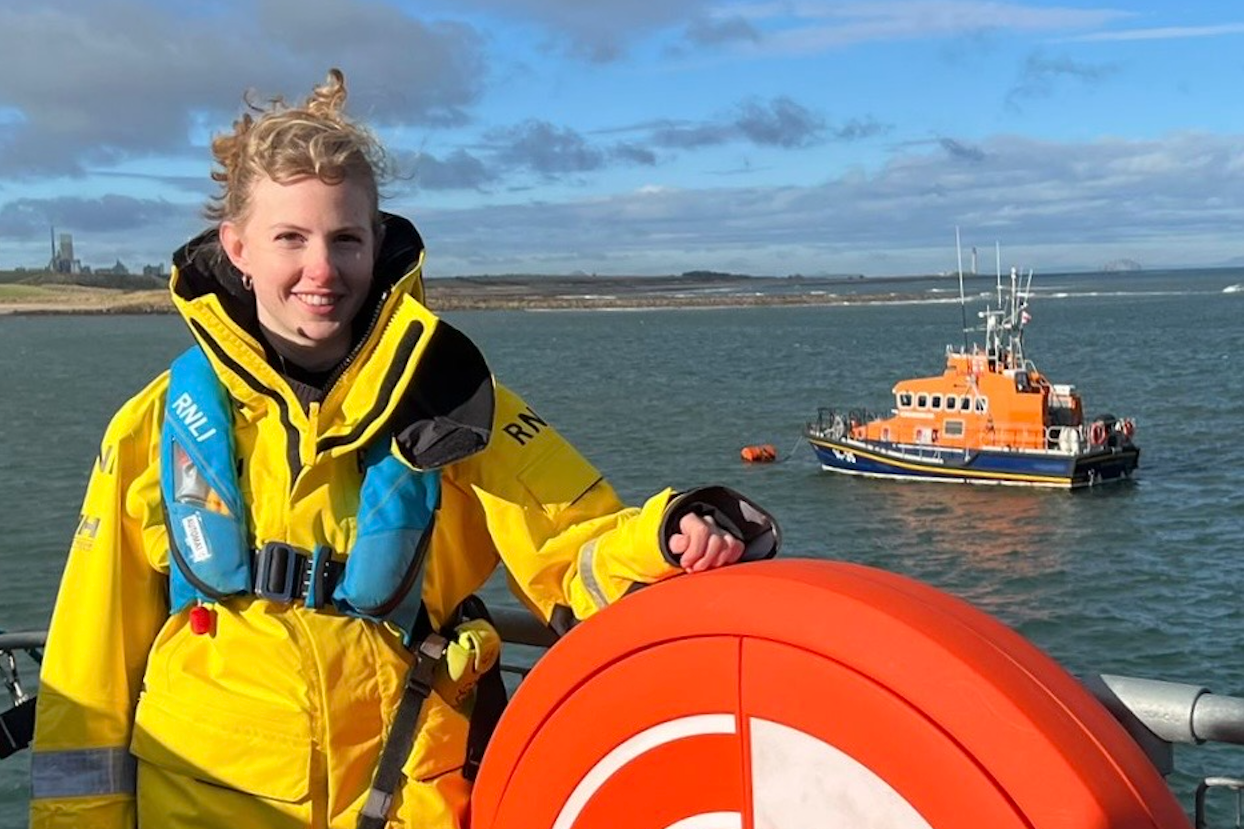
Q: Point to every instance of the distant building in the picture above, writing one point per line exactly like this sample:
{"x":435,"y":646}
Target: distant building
{"x":63,"y":260}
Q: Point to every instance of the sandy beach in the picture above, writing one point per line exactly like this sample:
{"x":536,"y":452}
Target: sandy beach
{"x":79,"y":299}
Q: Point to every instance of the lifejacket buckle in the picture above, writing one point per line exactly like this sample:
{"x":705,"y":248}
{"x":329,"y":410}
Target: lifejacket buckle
{"x":279,"y":571}
{"x":285,"y":573}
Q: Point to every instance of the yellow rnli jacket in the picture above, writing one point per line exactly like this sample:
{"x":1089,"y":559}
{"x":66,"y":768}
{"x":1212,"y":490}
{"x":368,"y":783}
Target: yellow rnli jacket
{"x":277,"y":716}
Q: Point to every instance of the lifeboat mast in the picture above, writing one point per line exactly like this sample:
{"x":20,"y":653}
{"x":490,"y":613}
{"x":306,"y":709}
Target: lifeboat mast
{"x":1004,"y":325}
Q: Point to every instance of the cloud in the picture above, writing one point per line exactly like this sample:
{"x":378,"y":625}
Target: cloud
{"x":1163,"y":33}
{"x":858,"y":129}
{"x":408,"y":71}
{"x":555,"y":152}
{"x":127,"y":79}
{"x":1060,"y":205}
{"x":813,"y":27}
{"x":107,"y":214}
{"x":1040,"y":74}
{"x":959,"y":150}
{"x":709,"y":31}
{"x":599,"y":31}
{"x":779,"y":123}
{"x":1055,"y":205}
{"x":105,"y":229}
{"x":458,"y":171}
{"x":544,"y":148}
{"x":630,"y":153}
{"x":604,"y":30}
{"x":688,"y":136}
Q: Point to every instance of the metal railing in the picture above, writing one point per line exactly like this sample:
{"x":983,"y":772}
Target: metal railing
{"x":1158,"y":713}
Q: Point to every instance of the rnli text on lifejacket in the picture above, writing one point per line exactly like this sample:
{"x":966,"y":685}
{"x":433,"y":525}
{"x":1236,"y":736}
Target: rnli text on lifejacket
{"x":188,"y":412}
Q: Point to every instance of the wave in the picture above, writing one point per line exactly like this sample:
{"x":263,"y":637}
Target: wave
{"x":1080,"y":294}
{"x":1237,"y":288}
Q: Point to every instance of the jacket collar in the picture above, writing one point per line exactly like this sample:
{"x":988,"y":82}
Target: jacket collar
{"x":407,"y":371}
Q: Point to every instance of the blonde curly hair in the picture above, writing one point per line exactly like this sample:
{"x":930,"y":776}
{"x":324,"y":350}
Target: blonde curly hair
{"x":284,"y":143}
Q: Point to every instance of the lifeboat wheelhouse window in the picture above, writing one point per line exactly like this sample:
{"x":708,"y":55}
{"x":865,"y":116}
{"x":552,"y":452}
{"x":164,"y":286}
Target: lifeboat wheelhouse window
{"x":951,"y":402}
{"x":953,"y":428}
{"x":922,"y":401}
{"x":965,"y":404}
{"x":937,"y":401}
{"x":904,"y":400}
{"x":982,"y":404}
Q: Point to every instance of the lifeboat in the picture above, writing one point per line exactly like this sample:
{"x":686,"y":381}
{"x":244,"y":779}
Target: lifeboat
{"x":990,"y":417}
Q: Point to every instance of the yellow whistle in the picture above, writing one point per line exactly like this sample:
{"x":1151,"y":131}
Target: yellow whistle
{"x":472,"y":651}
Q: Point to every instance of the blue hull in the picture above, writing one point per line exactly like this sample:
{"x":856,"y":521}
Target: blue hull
{"x":984,"y":466}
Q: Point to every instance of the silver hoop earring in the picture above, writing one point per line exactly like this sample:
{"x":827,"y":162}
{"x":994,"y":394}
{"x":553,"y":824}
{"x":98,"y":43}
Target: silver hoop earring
{"x":247,"y":282}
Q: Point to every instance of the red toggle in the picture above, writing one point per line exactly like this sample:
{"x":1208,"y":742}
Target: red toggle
{"x":201,"y":619}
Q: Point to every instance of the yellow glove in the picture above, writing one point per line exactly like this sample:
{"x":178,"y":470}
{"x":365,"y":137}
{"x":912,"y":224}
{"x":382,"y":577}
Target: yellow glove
{"x":472,"y":651}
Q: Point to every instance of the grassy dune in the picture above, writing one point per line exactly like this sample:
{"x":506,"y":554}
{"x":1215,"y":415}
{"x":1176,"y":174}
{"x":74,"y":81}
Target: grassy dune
{"x":79,"y":299}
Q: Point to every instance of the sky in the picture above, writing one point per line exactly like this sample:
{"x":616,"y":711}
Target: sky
{"x":625,"y":137}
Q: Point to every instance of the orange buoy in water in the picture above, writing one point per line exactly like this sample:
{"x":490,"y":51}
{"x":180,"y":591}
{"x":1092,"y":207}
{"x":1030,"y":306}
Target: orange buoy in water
{"x":760,"y":453}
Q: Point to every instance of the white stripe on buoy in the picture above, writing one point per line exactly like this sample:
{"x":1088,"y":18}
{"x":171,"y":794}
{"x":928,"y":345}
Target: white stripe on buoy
{"x":640,"y":744}
{"x":801,"y":782}
{"x":710,"y":820}
{"x":798,"y":781}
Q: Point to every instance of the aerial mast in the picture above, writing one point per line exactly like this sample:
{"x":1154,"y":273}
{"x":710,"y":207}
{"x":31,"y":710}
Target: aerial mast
{"x":963,"y":310}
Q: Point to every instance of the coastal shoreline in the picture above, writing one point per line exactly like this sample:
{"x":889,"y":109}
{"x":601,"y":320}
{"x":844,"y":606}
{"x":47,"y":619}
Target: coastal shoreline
{"x":494,"y":293}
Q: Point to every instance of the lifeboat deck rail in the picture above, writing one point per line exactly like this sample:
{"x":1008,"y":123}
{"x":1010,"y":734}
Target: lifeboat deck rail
{"x":1059,"y":440}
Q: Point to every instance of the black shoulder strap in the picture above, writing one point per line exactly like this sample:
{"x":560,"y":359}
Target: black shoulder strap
{"x":428,"y":653}
{"x":490,"y":702}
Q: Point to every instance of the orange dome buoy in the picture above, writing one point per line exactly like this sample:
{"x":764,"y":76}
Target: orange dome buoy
{"x":822,"y":692}
{"x":760,"y":453}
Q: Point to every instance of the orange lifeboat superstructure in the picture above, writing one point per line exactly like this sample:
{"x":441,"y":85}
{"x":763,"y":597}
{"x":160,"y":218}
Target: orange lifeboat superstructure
{"x":974,"y":403}
{"x":990,"y":417}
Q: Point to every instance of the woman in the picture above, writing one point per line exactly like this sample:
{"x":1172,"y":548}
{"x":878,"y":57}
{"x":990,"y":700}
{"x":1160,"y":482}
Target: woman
{"x":276,"y":527}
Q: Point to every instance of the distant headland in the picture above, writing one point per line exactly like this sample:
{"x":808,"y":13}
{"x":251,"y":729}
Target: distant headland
{"x":26,"y":292}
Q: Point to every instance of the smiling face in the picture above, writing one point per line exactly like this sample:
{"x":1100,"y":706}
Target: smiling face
{"x":309,"y":248}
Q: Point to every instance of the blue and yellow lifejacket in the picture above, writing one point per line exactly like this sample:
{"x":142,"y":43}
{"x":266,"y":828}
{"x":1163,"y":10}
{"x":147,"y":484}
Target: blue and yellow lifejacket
{"x":211,"y":558}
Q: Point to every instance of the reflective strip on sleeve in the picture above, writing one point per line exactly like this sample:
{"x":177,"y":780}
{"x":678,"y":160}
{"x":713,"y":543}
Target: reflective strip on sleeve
{"x":587,"y":555}
{"x":86,"y":773}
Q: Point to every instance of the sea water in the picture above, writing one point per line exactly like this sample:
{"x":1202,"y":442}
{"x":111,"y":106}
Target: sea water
{"x":1140,"y":579}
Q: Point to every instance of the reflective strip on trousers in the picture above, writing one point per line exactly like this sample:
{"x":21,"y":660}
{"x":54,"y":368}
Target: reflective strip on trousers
{"x":88,"y":772}
{"x":587,"y":574}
